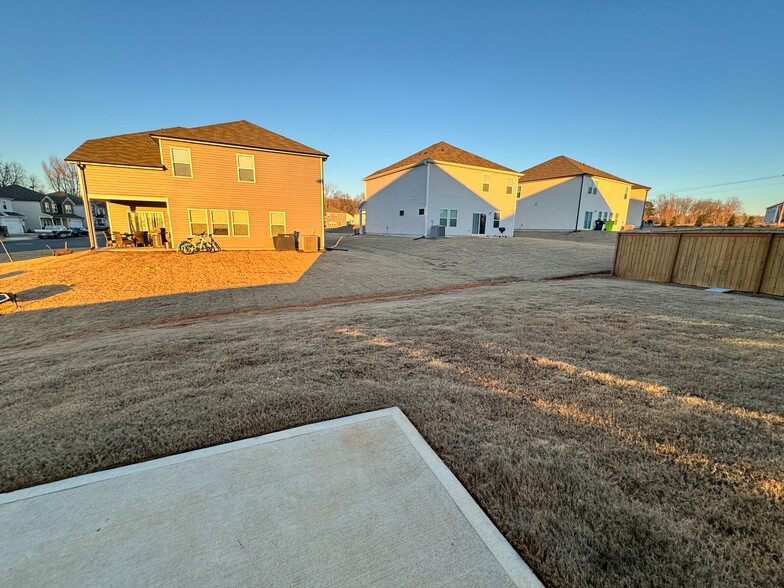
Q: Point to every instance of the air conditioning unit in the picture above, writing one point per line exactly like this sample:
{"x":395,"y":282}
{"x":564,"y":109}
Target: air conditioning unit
{"x":309,"y":243}
{"x":437,"y":231}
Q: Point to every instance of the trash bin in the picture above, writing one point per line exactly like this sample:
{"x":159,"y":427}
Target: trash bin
{"x":608,"y":225}
{"x":284,"y":242}
{"x":598,"y":225}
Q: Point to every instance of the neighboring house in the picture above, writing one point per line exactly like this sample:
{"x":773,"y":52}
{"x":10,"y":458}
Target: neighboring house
{"x":236,"y":180}
{"x":773,"y":214}
{"x":100,"y":218}
{"x":334,"y":217}
{"x":11,"y":223}
{"x":441,"y":185}
{"x":563,"y":194}
{"x":43,"y":210}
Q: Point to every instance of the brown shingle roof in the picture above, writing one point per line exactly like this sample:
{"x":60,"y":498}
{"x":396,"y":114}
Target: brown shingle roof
{"x":561,"y":167}
{"x":443,"y":152}
{"x":142,"y":149}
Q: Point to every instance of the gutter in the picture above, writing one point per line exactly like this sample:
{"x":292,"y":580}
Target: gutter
{"x":579,"y":203}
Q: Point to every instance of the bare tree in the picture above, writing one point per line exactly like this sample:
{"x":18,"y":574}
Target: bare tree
{"x":61,"y":176}
{"x":11,"y":172}
{"x":35,"y":183}
{"x":337,"y":198}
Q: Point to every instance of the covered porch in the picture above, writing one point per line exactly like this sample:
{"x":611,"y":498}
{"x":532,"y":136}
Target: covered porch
{"x":138,"y":223}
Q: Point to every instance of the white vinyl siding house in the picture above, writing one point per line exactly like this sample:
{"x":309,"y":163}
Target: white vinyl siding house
{"x":439,"y":186}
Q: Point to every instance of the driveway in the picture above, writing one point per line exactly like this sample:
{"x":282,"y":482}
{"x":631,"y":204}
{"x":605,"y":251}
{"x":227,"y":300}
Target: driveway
{"x":32,"y":247}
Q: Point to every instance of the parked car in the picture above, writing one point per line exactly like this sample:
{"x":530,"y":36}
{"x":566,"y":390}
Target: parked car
{"x":53,"y":232}
{"x":79,"y":231}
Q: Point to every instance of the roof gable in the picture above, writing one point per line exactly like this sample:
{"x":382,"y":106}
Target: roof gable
{"x":446,"y":153}
{"x":142,"y":149}
{"x":562,"y":167}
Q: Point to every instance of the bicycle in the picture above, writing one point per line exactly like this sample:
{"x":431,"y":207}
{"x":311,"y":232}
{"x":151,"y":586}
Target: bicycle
{"x":188,"y":247}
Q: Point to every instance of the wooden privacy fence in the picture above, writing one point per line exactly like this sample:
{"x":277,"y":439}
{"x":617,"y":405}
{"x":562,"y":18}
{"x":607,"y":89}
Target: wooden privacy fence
{"x":749,"y":262}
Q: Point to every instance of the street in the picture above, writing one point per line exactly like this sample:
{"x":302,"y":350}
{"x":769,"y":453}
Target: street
{"x":33,"y":247}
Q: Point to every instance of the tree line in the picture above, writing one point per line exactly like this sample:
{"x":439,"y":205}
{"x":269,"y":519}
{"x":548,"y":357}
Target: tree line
{"x":671,"y":210}
{"x":336,"y":198}
{"x":60,"y":176}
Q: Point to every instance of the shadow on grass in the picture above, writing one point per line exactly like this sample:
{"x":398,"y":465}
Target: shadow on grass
{"x":11,"y":274}
{"x":41,"y":292}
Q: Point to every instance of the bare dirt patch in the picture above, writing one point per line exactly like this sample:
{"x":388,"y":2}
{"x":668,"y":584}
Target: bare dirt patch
{"x":105,"y":276}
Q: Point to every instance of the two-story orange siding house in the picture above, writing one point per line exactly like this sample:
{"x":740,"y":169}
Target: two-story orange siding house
{"x":236,"y":180}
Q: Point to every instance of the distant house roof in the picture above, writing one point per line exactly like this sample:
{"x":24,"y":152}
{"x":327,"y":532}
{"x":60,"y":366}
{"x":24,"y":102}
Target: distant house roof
{"x":141,"y":149}
{"x":443,"y":152}
{"x":21,"y":193}
{"x":8,"y":213}
{"x":334,"y":209}
{"x":563,"y":167}
{"x":59,"y":198}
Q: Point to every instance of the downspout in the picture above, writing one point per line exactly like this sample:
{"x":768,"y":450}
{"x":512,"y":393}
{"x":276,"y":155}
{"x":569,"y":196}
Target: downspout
{"x":644,"y":204}
{"x":427,"y":197}
{"x":579,"y":203}
{"x":87,"y":211}
{"x":323,"y":243}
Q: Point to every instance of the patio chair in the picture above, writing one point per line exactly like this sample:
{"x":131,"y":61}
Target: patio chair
{"x":140,"y":238}
{"x":120,"y":241}
{"x":109,"y":239}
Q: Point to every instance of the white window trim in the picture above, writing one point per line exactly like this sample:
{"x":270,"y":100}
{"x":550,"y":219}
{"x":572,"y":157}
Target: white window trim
{"x":253,"y":167}
{"x":510,"y":186}
{"x":190,"y":222}
{"x":228,"y":221}
{"x":190,"y":163}
{"x":489,"y":178}
{"x":270,"y":220}
{"x":231,"y":222}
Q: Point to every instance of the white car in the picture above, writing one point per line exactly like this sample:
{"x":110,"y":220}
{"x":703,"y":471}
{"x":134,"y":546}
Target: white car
{"x":53,"y":232}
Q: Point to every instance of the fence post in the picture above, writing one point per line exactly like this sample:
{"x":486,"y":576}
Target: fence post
{"x":615,"y":258}
{"x":674,"y":258}
{"x":764,"y":264}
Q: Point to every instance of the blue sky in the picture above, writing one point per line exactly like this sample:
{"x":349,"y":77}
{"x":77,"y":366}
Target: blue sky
{"x":668,"y":94}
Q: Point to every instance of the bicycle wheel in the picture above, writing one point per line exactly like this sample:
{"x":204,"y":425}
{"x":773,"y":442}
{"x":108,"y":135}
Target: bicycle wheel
{"x":206,"y":247}
{"x":215,"y":246}
{"x":187,"y":248}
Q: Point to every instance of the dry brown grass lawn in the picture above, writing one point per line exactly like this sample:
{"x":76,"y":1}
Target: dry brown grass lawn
{"x":92,"y":277}
{"x":617,"y":432}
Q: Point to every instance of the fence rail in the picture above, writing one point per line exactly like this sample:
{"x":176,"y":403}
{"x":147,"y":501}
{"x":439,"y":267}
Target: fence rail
{"x":748,"y":262}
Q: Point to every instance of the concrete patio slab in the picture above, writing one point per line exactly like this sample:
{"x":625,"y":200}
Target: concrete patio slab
{"x":356,"y":501}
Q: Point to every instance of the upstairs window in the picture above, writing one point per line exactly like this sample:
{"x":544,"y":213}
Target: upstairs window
{"x":277,"y":223}
{"x":47,"y":207}
{"x":486,"y":183}
{"x":402,"y":212}
{"x":509,"y":185}
{"x":519,"y":191}
{"x":68,"y":208}
{"x":421,"y":212}
{"x":626,"y":193}
{"x":5,"y":206}
{"x":246,"y":168}
{"x":181,"y":162}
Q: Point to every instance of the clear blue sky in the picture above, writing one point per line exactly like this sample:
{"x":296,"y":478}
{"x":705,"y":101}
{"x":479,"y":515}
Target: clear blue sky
{"x":667,"y":94}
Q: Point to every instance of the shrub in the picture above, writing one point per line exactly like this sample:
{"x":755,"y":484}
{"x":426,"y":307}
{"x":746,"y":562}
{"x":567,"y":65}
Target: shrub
{"x":700,"y":220}
{"x":749,"y":221}
{"x":732,"y":221}
{"x":673,"y":222}
{"x":663,"y":223}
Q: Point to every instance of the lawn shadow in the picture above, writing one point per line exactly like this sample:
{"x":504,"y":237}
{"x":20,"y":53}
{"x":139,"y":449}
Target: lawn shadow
{"x":12,"y":274}
{"x":41,"y":292}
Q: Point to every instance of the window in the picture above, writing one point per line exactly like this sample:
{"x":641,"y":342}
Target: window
{"x":181,"y":162}
{"x":509,"y":185}
{"x":452,"y":218}
{"x":588,"y":219}
{"x":246,"y":168}
{"x":198,"y":221}
{"x":68,"y":208}
{"x":519,"y":190}
{"x":443,"y":217}
{"x":239,"y":223}
{"x":486,"y":183}
{"x":421,"y":212}
{"x":496,"y":220}
{"x":144,"y":221}
{"x":220,"y":222}
{"x":5,"y":206}
{"x":47,"y":208}
{"x":626,"y":193}
{"x":277,"y":223}
{"x":402,"y":212}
